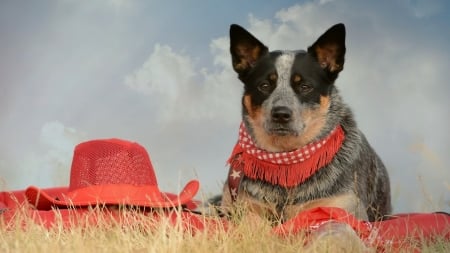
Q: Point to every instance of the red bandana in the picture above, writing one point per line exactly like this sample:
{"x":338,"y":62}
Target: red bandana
{"x":286,"y":169}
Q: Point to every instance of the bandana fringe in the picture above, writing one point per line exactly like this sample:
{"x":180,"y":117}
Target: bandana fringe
{"x":286,"y":175}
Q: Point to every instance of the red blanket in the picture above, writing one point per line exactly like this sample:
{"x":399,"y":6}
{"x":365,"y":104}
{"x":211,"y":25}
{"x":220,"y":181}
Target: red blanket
{"x":390,"y":233}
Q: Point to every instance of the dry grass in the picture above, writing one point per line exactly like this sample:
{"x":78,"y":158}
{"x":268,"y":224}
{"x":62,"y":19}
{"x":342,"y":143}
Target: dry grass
{"x":249,"y":235}
{"x":134,"y":237}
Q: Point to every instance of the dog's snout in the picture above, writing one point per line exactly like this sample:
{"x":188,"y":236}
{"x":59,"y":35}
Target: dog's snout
{"x":281,"y":114}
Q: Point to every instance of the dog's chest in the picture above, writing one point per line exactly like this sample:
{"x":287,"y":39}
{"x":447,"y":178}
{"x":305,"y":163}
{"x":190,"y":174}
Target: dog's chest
{"x":271,"y":194}
{"x":270,"y":201}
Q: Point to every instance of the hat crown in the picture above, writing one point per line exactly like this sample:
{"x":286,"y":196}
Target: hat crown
{"x":110,"y":161}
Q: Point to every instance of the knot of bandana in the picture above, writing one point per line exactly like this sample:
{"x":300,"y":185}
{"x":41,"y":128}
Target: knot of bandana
{"x":287,"y":169}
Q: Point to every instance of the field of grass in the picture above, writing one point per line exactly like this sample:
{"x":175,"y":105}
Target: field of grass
{"x":144,"y":234}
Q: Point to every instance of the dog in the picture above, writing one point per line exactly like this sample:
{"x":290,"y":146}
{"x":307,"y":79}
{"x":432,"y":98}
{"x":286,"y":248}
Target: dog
{"x":299,"y":146}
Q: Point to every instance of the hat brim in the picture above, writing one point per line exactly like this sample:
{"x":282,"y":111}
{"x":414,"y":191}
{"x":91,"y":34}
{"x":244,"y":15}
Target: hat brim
{"x":113,"y":194}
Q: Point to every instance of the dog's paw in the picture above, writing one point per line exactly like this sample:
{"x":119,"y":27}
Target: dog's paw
{"x":336,"y":237}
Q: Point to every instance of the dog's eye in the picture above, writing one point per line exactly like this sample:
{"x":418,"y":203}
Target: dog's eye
{"x":300,"y":85}
{"x":264,"y":87}
{"x":303,"y":88}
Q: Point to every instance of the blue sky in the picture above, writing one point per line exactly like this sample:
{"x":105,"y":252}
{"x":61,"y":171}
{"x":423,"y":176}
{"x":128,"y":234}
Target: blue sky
{"x":158,"y":72}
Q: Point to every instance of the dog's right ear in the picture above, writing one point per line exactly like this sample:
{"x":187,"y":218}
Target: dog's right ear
{"x":329,"y":50}
{"x":245,"y":49}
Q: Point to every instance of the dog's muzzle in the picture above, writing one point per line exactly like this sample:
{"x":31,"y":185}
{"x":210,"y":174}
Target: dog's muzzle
{"x":281,"y":114}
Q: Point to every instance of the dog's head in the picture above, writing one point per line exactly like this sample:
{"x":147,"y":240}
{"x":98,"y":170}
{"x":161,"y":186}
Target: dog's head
{"x":286,"y":93}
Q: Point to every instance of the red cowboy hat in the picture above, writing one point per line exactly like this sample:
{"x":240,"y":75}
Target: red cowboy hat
{"x":111,"y":172}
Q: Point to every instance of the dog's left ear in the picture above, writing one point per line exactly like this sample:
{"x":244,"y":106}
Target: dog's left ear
{"x":245,"y":49}
{"x":329,"y":50}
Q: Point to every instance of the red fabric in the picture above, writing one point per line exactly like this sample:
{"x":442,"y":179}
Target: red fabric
{"x":399,"y":232}
{"x":235,"y":175}
{"x":286,"y":169}
{"x":396,"y":233}
{"x":313,"y":218}
{"x":110,"y":161}
{"x":111,"y":171}
{"x":419,"y":226}
{"x":15,"y":199}
{"x":14,"y":204}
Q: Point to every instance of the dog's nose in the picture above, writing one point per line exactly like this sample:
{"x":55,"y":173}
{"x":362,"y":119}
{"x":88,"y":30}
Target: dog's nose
{"x":281,"y":114}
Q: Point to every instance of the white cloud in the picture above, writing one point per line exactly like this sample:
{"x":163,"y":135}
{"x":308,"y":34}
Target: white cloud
{"x":51,"y":167}
{"x":55,"y":135}
{"x":183,"y":92}
{"x":165,"y":73}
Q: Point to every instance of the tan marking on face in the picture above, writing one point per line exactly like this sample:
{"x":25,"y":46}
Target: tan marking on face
{"x":256,"y":120}
{"x":253,"y":112}
{"x":314,"y":120}
{"x":297,"y":78}
{"x":273,"y":143}
{"x":273,"y":77}
{"x":324,"y":104}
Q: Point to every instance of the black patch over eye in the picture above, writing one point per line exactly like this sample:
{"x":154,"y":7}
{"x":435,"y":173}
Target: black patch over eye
{"x":265,"y":87}
{"x":301,"y":86}
{"x":305,"y":88}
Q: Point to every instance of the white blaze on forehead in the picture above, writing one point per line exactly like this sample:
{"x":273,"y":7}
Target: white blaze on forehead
{"x":283,"y":95}
{"x":283,"y":65}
